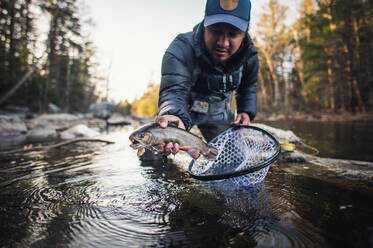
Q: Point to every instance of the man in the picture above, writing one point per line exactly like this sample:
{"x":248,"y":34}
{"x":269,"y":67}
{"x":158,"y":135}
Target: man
{"x":202,"y":68}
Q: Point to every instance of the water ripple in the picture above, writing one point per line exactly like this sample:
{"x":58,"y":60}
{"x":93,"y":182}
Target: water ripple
{"x":94,"y":196}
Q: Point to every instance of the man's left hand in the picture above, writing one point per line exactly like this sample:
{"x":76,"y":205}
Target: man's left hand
{"x":242,"y":118}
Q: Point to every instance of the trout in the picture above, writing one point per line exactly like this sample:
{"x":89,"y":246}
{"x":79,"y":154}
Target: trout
{"x":153,"y":137}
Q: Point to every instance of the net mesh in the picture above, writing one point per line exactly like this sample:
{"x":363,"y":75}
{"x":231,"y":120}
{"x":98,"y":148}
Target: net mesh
{"x":244,"y":154}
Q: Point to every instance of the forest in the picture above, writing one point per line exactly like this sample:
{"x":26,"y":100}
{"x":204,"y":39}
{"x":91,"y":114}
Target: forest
{"x":60,"y":71}
{"x":322,"y":62}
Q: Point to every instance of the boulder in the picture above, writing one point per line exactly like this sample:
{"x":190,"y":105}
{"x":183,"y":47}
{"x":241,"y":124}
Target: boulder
{"x":12,"y":142}
{"x":17,"y":109}
{"x":142,"y":119}
{"x":12,"y":126}
{"x":292,"y":157}
{"x":54,"y":121}
{"x":119,"y":119}
{"x":102,"y":110}
{"x":52,"y":108}
{"x":94,"y":123}
{"x":279,"y":134}
{"x":41,"y":134}
{"x":78,"y":131}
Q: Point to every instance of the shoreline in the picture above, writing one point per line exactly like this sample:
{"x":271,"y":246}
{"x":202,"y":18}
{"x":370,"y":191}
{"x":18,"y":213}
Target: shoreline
{"x":317,"y":117}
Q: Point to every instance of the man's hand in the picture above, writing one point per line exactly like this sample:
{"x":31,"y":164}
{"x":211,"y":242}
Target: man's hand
{"x":242,"y":118}
{"x":175,"y":147}
{"x":165,"y":119}
{"x":163,"y":122}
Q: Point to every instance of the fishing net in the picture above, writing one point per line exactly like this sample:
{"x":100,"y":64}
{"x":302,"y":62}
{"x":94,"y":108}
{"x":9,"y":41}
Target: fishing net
{"x":245,"y":153}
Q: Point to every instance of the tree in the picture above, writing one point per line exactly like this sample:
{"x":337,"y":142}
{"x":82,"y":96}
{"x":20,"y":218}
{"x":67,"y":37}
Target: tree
{"x":65,"y":76}
{"x":147,"y":104}
{"x":272,"y":41}
{"x":17,"y":39}
{"x":333,"y":52}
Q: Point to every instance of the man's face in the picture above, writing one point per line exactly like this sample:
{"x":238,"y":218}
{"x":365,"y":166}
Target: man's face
{"x":222,"y":40}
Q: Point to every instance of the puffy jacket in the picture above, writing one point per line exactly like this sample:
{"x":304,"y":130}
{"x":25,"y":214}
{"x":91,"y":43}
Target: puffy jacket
{"x":187,"y":71}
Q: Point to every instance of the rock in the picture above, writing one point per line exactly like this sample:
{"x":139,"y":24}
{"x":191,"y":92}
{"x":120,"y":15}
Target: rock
{"x":52,"y":108}
{"x":41,"y":135}
{"x":362,"y":170}
{"x":143,"y":119}
{"x":54,"y":121}
{"x":78,"y":131}
{"x":292,"y":157}
{"x":9,"y":142}
{"x":95,"y":123}
{"x":119,"y":119}
{"x":12,"y":126}
{"x":280,"y":135}
{"x":102,"y":110}
{"x":16,"y":109}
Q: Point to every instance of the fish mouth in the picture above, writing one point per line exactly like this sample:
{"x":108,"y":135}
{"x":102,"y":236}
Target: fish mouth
{"x":135,"y":144}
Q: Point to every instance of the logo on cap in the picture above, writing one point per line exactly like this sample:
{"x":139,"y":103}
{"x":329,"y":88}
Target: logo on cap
{"x":229,"y":4}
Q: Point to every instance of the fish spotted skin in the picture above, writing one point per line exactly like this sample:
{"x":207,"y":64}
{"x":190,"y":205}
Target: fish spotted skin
{"x":152,"y":136}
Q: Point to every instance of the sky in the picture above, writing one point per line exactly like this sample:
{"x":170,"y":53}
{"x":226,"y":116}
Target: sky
{"x":132,"y":36}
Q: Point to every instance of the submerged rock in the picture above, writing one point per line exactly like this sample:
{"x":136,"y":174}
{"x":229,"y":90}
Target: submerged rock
{"x":41,"y":134}
{"x":354,"y":169}
{"x":8,"y":142}
{"x":78,"y":131}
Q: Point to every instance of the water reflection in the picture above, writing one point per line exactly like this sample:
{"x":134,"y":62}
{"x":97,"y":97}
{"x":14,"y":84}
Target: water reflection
{"x":36,"y":202}
{"x":342,"y":140}
{"x":102,"y":196}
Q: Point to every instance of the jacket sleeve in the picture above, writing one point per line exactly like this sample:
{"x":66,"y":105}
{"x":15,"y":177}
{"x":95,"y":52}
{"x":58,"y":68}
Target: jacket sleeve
{"x":246,"y":93}
{"x":174,"y":92}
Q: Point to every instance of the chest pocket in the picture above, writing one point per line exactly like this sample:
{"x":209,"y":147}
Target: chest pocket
{"x":219,"y":83}
{"x":210,"y":96}
{"x":211,"y":109}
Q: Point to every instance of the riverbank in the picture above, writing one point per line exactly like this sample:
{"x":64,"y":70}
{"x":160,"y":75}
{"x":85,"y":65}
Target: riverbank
{"x":25,"y":131}
{"x":322,"y":117}
{"x":19,"y":127}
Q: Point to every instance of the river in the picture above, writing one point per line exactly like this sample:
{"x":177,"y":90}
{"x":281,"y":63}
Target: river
{"x":95,"y":195}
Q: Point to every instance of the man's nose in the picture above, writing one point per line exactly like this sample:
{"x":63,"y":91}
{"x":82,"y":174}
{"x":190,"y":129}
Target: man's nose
{"x":223,"y":40}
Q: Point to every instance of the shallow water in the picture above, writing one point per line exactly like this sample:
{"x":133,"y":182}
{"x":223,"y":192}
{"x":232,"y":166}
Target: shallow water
{"x":94,"y":195}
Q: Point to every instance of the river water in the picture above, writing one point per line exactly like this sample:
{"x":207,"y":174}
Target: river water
{"x":95,"y":195}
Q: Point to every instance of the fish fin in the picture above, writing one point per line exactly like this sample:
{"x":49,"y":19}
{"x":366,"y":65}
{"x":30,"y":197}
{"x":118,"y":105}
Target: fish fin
{"x":157,"y":148}
{"x":140,"y":152}
{"x":194,"y":153}
{"x":212,"y":153}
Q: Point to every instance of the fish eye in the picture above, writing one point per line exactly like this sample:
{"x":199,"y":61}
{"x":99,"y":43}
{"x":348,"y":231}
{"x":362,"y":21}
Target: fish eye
{"x":143,"y":136}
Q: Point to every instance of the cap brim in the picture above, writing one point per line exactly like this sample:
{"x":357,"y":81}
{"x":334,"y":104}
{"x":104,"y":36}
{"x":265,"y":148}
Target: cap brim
{"x":230,"y":19}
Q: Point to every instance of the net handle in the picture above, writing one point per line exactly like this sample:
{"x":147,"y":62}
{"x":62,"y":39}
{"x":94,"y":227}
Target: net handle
{"x":243,"y":172}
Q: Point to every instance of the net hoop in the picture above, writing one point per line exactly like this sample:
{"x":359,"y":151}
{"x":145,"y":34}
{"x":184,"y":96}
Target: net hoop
{"x":243,"y":172}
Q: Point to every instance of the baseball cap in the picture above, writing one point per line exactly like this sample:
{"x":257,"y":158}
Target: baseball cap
{"x":234,"y":12}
